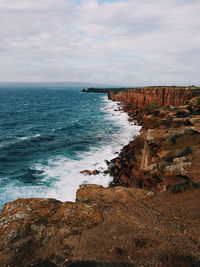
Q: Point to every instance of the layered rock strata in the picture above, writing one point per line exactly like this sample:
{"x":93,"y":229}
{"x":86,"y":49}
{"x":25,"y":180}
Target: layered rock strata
{"x":162,"y":96}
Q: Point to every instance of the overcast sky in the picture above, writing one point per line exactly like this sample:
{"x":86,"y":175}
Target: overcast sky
{"x":121,"y":42}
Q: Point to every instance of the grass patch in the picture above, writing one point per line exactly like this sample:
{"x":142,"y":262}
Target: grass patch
{"x":190,"y":108}
{"x":162,"y":165}
{"x":153,"y":106}
{"x":187,"y":122}
{"x":185,"y":152}
{"x":198,"y":101}
{"x":169,"y":158}
{"x":86,"y":201}
{"x":182,"y":114}
{"x":190,"y":131}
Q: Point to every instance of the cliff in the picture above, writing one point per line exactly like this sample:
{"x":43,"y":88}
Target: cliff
{"x":149,"y":217}
{"x":162,"y":96}
{"x":165,"y":156}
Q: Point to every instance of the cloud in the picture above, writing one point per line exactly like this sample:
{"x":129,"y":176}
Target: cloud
{"x":130,"y":42}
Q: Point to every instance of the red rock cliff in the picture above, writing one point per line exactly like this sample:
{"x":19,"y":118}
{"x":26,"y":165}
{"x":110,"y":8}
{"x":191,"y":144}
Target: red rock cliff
{"x":162,"y":96}
{"x":166,"y":154}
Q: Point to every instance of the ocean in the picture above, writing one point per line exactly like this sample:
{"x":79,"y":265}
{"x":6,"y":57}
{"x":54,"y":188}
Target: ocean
{"x":48,"y":135}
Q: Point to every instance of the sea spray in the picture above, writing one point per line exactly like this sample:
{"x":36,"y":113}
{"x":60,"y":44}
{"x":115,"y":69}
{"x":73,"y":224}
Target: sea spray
{"x":47,"y":136}
{"x":67,"y":171}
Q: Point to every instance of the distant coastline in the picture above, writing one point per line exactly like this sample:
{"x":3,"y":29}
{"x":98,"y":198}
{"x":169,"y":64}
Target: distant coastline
{"x":104,"y":90}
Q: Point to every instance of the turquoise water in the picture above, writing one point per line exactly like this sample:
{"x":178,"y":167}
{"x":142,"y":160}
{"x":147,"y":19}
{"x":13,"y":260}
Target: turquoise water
{"x":48,"y":135}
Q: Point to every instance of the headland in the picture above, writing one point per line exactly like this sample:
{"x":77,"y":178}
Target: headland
{"x":103,"y":90}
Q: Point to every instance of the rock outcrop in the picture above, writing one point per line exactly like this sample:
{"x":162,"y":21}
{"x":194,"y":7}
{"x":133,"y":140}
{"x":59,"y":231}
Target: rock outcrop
{"x":125,"y":226}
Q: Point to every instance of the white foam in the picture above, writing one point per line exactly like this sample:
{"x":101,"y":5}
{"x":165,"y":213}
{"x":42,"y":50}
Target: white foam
{"x":29,"y":137}
{"x":66,"y":172}
{"x":37,"y":135}
{"x":23,"y":138}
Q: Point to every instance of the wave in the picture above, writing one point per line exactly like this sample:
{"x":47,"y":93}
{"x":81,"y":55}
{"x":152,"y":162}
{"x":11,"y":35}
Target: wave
{"x":75,"y":125}
{"x":35,"y":136}
{"x":23,"y":138}
{"x":28,"y":137}
{"x":18,"y":140}
{"x":60,"y":176}
{"x":66,"y":172}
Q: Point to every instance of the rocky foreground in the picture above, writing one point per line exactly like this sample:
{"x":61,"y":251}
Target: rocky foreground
{"x":151,"y":215}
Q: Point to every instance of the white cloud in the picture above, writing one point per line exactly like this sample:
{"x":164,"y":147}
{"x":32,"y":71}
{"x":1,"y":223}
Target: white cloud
{"x":124,"y":42}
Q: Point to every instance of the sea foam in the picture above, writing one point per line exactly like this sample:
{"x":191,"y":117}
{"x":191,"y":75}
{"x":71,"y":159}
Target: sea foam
{"x":63,"y":175}
{"x":66,"y":172}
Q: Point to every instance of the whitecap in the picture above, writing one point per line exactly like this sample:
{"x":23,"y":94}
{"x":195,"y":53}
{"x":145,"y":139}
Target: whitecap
{"x":37,"y":135}
{"x":61,"y":176}
{"x":23,"y":138}
{"x":65,"y":172}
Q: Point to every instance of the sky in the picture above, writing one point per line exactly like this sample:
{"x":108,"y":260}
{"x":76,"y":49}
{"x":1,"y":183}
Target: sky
{"x":119,"y":42}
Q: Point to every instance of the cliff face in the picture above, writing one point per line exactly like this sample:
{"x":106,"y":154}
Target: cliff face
{"x":166,"y":154}
{"x":144,"y":97}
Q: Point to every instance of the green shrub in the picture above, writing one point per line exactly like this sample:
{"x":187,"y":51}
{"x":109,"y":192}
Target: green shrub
{"x":187,"y":122}
{"x":185,"y":152}
{"x":153,"y":106}
{"x":86,"y":201}
{"x":190,"y":131}
{"x":172,"y":139}
{"x":176,"y":188}
{"x":169,"y":158}
{"x":189,"y":108}
{"x":182,"y":114}
{"x":162,"y":165}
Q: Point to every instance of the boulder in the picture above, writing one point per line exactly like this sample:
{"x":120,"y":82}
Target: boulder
{"x":95,"y":172}
{"x":86,"y":172}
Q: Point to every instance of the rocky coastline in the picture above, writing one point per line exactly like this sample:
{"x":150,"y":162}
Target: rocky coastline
{"x":148,"y":217}
{"x":166,"y":153}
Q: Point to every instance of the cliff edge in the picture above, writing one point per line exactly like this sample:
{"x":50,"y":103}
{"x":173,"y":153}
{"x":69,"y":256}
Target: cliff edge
{"x":162,"y":96}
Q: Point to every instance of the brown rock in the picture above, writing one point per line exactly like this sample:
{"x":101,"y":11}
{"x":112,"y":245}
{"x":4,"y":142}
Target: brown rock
{"x":144,"y":97}
{"x":124,"y":179}
{"x":112,"y":225}
{"x":86,"y":172}
{"x":177,"y":260}
{"x":163,"y":153}
{"x":95,"y":172}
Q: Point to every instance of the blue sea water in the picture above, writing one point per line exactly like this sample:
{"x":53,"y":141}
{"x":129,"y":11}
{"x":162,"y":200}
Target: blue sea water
{"x":48,"y":135}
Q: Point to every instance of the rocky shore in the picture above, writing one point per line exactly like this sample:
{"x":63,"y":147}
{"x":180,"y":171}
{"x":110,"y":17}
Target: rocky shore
{"x":166,"y":154}
{"x":148,"y":217}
